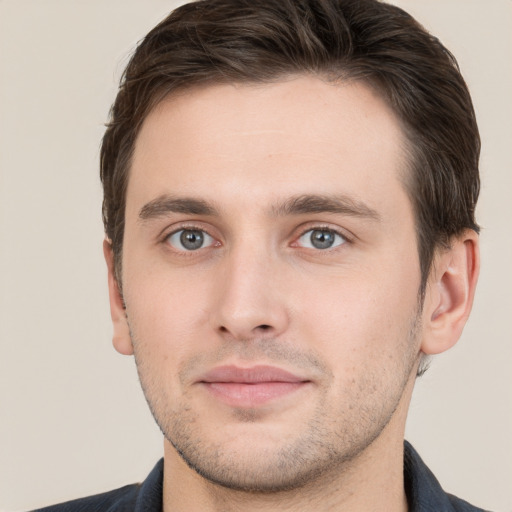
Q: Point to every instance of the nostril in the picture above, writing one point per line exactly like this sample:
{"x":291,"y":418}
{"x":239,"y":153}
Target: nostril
{"x":243,"y":334}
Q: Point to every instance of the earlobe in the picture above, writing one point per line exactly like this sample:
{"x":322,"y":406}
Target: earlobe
{"x":450,"y":292}
{"x":121,"y":332}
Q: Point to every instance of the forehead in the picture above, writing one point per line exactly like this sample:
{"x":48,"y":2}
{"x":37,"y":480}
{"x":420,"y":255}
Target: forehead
{"x":298,"y":136}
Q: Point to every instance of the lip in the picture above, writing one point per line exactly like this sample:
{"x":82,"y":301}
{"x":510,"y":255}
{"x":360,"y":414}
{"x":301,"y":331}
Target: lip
{"x":251,"y":387}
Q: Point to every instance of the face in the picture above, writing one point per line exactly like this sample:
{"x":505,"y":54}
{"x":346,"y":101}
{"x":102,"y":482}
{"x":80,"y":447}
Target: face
{"x":270,"y":276}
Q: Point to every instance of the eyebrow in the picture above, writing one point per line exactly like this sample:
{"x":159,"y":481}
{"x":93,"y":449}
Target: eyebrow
{"x":163,"y":205}
{"x":338,"y":203}
{"x":297,"y":205}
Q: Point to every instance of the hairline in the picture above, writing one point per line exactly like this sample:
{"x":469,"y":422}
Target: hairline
{"x":407,"y":173}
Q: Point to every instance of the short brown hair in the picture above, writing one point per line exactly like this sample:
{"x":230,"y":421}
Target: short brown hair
{"x":236,"y":41}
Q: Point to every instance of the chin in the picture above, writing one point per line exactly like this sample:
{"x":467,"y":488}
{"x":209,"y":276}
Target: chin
{"x":261,"y":458}
{"x":255,"y":471}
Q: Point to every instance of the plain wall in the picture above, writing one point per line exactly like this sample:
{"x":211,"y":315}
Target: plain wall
{"x":72,"y":418}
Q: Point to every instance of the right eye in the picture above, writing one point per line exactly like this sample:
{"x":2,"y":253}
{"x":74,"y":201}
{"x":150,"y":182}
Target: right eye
{"x":321,"y":239}
{"x":190,"y":239}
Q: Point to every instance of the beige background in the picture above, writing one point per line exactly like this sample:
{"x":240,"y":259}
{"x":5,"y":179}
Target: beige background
{"x":72,"y":419}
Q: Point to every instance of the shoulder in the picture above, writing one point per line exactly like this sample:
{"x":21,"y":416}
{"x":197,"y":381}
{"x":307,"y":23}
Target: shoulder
{"x":118,"y":500}
{"x":424,"y":492}
{"x":461,"y":505}
{"x":145,"y":497}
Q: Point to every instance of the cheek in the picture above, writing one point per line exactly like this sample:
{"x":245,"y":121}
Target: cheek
{"x":162,"y":316}
{"x":359,"y":321}
{"x":167,"y":312}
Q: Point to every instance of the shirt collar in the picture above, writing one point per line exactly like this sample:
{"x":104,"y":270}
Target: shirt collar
{"x":424,"y":493}
{"x":150,"y":497}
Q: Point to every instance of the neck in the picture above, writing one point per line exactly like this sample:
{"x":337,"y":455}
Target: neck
{"x":371,"y":481}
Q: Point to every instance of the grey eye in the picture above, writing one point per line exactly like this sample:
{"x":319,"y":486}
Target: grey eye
{"x":190,"y":239}
{"x":321,"y":239}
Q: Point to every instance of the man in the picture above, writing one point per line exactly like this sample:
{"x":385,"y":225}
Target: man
{"x":289,"y":196}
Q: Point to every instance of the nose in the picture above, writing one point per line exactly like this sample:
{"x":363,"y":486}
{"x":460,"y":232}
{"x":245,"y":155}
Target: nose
{"x":250,"y":301}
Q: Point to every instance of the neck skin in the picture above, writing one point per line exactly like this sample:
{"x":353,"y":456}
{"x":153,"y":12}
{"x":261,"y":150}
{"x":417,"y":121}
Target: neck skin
{"x":372,"y":481}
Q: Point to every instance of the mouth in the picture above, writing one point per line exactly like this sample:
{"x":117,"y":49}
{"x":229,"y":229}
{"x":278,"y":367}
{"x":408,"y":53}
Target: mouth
{"x":251,"y":387}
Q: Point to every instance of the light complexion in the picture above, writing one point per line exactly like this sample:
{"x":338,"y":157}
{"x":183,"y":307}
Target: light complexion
{"x":270,"y":277}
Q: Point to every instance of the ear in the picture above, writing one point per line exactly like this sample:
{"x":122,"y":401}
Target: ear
{"x":450,"y":292}
{"x":121,"y":336}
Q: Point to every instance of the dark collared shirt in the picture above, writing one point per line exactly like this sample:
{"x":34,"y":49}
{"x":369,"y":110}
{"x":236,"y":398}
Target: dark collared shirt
{"x":424,"y":494}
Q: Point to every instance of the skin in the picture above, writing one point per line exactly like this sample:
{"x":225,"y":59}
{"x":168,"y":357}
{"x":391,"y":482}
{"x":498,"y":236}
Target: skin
{"x":345,"y":319}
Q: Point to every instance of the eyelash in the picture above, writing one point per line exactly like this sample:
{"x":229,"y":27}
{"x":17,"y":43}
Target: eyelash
{"x":329,"y":229}
{"x":190,"y":227}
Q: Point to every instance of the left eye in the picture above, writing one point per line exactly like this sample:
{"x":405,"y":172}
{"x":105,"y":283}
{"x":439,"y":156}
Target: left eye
{"x":190,"y":239}
{"x":321,"y":239}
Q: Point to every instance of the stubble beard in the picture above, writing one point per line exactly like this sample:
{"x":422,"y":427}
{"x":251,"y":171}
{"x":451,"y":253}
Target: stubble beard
{"x":325,"y":447}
